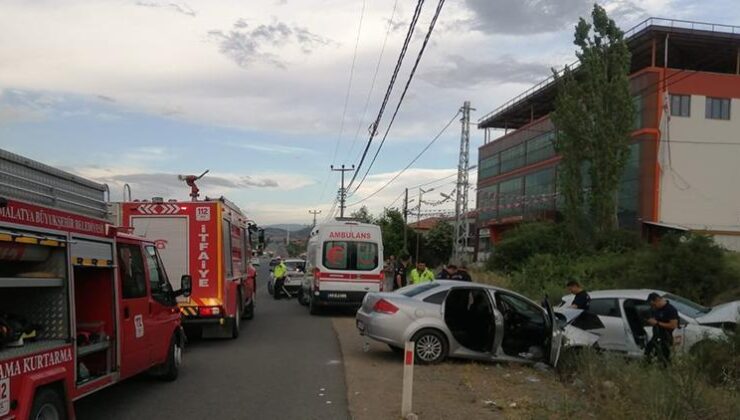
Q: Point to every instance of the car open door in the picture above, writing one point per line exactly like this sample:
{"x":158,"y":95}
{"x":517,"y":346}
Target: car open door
{"x":555,"y":332}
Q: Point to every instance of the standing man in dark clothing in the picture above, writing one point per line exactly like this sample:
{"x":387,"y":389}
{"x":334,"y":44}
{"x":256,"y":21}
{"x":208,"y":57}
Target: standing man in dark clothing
{"x":446,"y":273}
{"x":582,"y":299}
{"x":460,"y":274}
{"x":664,"y":320}
{"x":399,"y":277}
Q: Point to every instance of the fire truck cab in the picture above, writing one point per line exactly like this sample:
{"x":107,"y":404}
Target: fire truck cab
{"x":82,"y":305}
{"x":210,"y":240}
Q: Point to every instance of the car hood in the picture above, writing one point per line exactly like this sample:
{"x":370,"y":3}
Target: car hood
{"x":726,"y":312}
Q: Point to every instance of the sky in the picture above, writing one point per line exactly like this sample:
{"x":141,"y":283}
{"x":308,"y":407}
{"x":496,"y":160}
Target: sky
{"x":264,"y":94}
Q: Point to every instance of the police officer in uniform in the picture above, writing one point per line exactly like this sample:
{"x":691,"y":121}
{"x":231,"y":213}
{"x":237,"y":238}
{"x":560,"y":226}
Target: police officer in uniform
{"x":399,"y":276}
{"x":421,"y":274}
{"x":664,"y":320}
{"x":279,"y":273}
{"x":582,"y":299}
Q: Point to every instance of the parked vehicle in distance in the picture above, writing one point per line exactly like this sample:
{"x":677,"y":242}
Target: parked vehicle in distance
{"x":447,"y":318}
{"x":624,"y":313}
{"x":293,"y":277}
{"x":343,"y":264}
{"x":255,"y":261}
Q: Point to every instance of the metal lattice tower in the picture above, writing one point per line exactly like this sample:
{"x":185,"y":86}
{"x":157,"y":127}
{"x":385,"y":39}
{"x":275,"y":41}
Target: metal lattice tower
{"x":462,"y":230}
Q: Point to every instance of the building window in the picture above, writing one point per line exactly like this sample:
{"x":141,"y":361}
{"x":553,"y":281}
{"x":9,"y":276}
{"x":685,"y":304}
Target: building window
{"x":487,"y":198}
{"x":512,"y":158}
{"x":510,"y":197}
{"x":539,"y":189}
{"x":637,"y":102}
{"x":681,"y":105}
{"x":718,"y":108}
{"x":541,"y":147}
{"x":489,"y":166}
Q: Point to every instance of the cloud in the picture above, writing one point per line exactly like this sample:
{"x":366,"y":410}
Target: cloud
{"x":181,"y":8}
{"x":270,"y":148}
{"x":10,"y":114}
{"x":521,"y":17}
{"x":246,"y":46}
{"x":459,"y":72}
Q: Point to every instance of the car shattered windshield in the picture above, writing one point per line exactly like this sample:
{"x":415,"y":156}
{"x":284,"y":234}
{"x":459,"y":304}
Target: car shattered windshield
{"x":687,"y":307}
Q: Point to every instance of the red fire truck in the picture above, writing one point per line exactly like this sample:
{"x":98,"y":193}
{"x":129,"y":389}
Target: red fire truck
{"x":82,"y":306}
{"x":210,"y":240}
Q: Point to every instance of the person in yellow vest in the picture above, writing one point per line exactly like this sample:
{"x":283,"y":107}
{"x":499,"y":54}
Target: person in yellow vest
{"x":421,"y":274}
{"x":279,"y":273}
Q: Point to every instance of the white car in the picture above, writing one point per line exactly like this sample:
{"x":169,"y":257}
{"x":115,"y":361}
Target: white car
{"x":624,"y":312}
{"x":293,"y":278}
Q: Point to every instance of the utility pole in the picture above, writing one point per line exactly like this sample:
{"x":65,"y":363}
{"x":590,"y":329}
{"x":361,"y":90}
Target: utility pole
{"x":342,"y":191}
{"x":315,"y":213}
{"x":406,"y":221}
{"x":462,"y":228}
{"x":418,"y":219}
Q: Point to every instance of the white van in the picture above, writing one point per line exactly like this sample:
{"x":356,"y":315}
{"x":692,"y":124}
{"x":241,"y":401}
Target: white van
{"x":344,"y":264}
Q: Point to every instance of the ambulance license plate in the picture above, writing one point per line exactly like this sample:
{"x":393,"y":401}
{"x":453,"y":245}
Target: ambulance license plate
{"x":337,"y":296}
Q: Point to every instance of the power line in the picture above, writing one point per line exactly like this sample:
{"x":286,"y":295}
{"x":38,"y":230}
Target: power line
{"x":349,"y":83}
{"x":391,"y":84}
{"x":346,"y":97}
{"x":410,"y":163}
{"x":405,"y":90}
{"x":375,"y":77}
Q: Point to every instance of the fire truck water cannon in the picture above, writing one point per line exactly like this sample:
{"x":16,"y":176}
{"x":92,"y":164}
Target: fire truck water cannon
{"x":190,"y":180}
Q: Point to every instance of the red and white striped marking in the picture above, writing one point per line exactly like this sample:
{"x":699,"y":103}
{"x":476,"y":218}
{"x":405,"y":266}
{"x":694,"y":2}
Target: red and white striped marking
{"x":159,"y":208}
{"x":408,"y":379}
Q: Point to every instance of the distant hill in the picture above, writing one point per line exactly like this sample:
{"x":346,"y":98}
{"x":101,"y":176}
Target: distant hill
{"x":279,"y":234}
{"x":287,"y":226}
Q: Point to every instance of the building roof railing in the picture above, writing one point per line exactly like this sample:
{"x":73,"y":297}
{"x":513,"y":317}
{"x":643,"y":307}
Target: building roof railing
{"x":645,"y":24}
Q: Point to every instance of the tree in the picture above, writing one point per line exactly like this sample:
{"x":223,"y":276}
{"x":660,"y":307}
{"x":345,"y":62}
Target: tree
{"x":295,"y":249}
{"x":438,"y":244}
{"x":594,"y":115}
{"x":391,"y":225}
{"x":362,"y":215}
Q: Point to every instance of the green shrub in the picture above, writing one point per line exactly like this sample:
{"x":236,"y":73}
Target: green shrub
{"x":692,"y":266}
{"x":524,"y":241}
{"x":622,"y":388}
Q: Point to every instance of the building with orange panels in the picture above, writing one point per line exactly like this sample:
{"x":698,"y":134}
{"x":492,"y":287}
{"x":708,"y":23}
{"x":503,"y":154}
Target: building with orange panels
{"x":684,"y":166}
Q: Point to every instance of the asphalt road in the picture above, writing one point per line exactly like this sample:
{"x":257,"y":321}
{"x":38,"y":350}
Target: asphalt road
{"x":285,"y":364}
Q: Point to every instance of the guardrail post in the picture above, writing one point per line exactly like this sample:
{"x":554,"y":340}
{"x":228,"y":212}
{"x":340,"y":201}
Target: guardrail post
{"x":408,"y":379}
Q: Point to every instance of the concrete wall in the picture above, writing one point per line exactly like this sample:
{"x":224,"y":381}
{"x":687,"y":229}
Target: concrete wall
{"x":700,"y":187}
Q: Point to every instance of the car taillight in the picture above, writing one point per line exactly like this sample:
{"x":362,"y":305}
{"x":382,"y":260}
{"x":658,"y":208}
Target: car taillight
{"x":209,"y":311}
{"x":383,"y":306}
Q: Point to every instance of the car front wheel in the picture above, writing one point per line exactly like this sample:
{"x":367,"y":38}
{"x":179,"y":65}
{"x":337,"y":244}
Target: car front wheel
{"x":430,"y":347}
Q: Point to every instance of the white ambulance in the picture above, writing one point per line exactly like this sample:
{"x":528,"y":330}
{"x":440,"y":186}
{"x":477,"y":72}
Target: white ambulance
{"x":344,"y":263}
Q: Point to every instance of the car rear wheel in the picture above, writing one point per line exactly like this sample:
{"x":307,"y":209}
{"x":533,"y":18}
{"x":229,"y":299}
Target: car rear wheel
{"x":430,"y":347}
{"x":313,"y":307}
{"x":48,"y":405}
{"x":236,"y":323}
{"x":302,"y":298}
{"x":249,"y":310}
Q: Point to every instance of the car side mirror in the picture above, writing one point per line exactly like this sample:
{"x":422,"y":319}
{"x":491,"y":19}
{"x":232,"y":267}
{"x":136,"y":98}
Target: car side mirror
{"x":186,"y":287}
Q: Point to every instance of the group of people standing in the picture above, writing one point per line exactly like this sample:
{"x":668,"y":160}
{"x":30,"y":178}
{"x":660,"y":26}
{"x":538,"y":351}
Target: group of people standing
{"x":399,"y":272}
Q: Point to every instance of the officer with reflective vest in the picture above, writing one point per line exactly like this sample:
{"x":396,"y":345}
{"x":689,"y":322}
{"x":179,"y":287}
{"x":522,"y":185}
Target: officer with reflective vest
{"x":421,"y":274}
{"x":279,"y":273}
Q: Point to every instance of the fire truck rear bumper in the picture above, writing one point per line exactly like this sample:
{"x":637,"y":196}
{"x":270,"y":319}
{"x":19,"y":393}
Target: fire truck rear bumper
{"x":202,"y":321}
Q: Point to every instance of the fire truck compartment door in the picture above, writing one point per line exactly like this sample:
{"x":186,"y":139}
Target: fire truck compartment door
{"x":91,"y":250}
{"x":170,"y":235}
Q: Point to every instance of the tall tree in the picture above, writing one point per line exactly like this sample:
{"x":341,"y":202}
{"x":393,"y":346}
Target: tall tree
{"x":594,"y":115}
{"x":438,"y":243}
{"x":391,"y":226}
{"x":362,"y":215}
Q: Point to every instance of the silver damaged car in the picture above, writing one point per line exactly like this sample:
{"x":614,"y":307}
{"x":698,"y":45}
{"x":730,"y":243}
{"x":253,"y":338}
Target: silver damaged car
{"x":457,"y":319}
